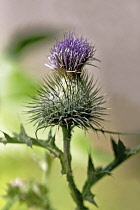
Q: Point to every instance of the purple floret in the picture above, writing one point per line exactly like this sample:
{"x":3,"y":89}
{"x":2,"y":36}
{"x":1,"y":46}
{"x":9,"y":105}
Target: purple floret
{"x":71,"y":54}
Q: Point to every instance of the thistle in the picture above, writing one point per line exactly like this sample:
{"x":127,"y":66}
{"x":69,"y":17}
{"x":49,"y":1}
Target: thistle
{"x":68,"y":98}
{"x":71,"y":54}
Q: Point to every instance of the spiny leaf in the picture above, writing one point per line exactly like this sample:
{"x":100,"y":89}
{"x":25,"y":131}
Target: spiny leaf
{"x":120,"y":151}
{"x":8,"y":139}
{"x":90,"y":197}
{"x":95,"y":174}
{"x":18,"y":138}
{"x":121,"y":154}
{"x":91,"y":177}
{"x":91,"y":169}
{"x":51,"y":139}
{"x":23,"y":137}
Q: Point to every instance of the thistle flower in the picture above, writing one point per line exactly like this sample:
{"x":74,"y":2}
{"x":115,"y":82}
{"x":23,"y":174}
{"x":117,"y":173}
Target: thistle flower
{"x":71,"y":54}
{"x":69,"y":99}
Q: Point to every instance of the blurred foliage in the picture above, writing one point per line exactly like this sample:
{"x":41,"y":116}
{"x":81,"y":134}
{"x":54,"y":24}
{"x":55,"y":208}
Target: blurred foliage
{"x":26,"y":38}
{"x":16,"y":85}
{"x":32,"y":193}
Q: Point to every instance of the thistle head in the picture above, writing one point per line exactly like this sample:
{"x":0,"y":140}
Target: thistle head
{"x":69,"y":99}
{"x":66,"y":101}
{"x":71,"y":54}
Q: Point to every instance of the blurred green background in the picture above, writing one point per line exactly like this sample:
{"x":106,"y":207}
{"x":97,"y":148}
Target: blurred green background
{"x":28,"y":30}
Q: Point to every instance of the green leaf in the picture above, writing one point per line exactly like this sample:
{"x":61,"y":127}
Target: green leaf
{"x":18,"y":138}
{"x":121,"y":154}
{"x":91,"y":177}
{"x":91,"y":169}
{"x":90,"y":197}
{"x":8,"y":139}
{"x":23,"y":137}
{"x":120,"y":151}
{"x":49,"y":144}
{"x":51,"y":138}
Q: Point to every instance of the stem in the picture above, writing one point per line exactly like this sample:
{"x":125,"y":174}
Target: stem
{"x":75,"y":193}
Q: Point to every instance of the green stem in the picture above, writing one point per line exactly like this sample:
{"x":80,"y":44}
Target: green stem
{"x":75,"y":193}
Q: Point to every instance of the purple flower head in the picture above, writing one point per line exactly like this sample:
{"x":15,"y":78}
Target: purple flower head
{"x":71,"y":54}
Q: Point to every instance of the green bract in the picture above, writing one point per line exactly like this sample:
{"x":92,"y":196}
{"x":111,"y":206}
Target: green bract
{"x":68,"y":99}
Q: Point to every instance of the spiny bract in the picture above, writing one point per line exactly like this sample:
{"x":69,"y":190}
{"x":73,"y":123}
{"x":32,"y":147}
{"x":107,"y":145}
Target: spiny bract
{"x":67,"y":100}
